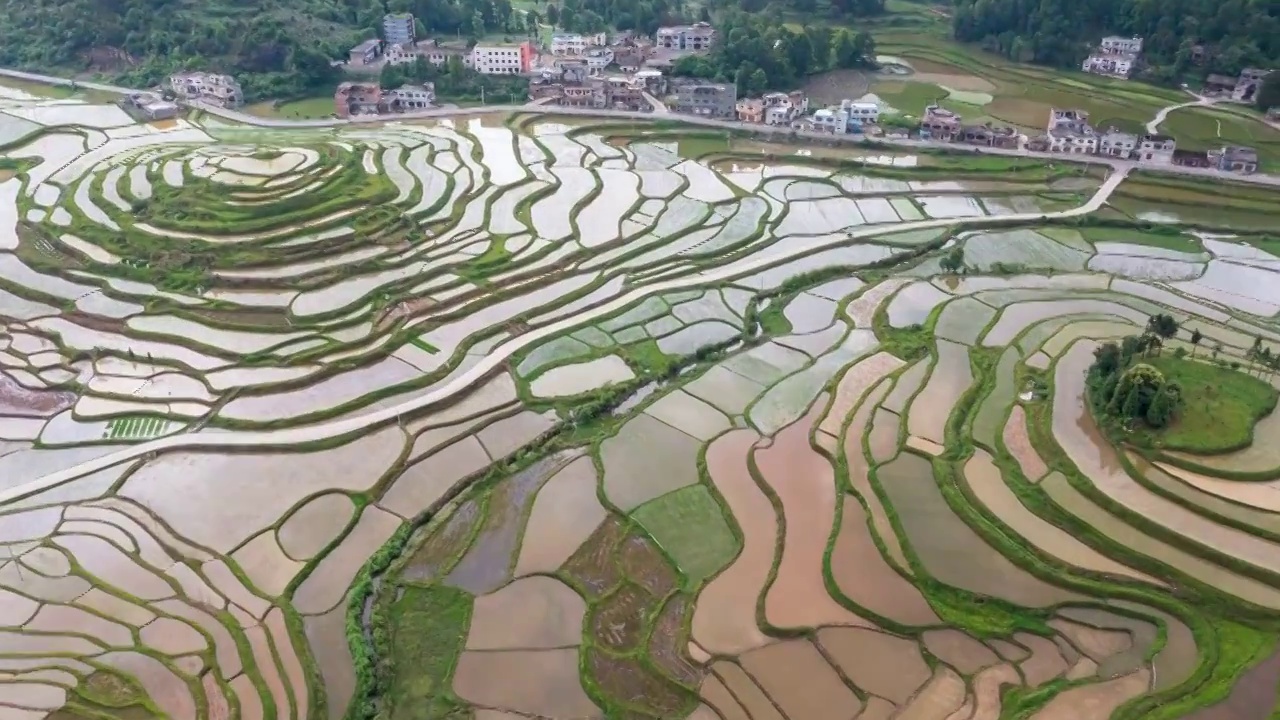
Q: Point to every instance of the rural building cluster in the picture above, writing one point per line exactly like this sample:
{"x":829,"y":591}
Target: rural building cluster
{"x":1069,"y":131}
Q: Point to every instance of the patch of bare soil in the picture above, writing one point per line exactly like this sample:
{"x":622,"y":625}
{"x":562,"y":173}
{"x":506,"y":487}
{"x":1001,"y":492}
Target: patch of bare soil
{"x":20,"y":401}
{"x":829,"y":88}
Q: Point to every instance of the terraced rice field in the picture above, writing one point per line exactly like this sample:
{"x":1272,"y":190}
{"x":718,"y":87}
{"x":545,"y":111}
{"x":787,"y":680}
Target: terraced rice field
{"x":519,"y":419}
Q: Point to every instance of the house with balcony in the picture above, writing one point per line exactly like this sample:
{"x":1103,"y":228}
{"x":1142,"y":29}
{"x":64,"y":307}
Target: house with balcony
{"x":1157,"y":149}
{"x":408,"y":98}
{"x":357,"y":98}
{"x":210,"y":88}
{"x":653,"y":81}
{"x":713,"y":100}
{"x":697,"y":37}
{"x":1236,"y":159}
{"x":750,"y":110}
{"x":939,"y":124}
{"x":1069,"y":131}
{"x":989,"y":135}
{"x":399,"y":28}
{"x":598,"y":58}
{"x":1117,"y":144}
{"x":1115,"y":56}
{"x":1117,"y":66}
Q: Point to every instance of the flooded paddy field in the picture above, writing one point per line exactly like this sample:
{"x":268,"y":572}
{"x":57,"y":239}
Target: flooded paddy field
{"x":504,"y":417}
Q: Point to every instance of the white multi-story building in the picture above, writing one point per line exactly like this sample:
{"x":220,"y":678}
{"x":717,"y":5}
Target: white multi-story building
{"x":1114,"y":143}
{"x":398,"y":28}
{"x":1115,"y":65}
{"x":502,"y":59}
{"x":1156,"y":149}
{"x":568,"y":45}
{"x":1070,"y":132}
{"x":411,"y":97}
{"x":207,"y":87}
{"x":1117,"y":45}
{"x":698,"y":36}
{"x":575,"y":44}
{"x":598,"y":58}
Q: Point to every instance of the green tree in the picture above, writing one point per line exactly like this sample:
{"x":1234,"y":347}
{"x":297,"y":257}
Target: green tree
{"x":1163,"y":406}
{"x":953,"y":261}
{"x":844,"y":51}
{"x":1269,"y":93}
{"x":1196,"y":337}
{"x":1107,"y":359}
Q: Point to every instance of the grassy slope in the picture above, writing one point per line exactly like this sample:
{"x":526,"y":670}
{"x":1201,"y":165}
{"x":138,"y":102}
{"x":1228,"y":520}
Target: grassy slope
{"x":1220,"y":405}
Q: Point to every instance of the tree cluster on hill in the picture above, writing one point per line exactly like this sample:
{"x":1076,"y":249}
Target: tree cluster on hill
{"x":275,"y":47}
{"x":1135,"y":392}
{"x":759,"y":53}
{"x":1234,"y":33}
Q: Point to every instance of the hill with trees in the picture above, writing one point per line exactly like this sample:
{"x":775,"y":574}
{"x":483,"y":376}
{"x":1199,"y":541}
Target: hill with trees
{"x":759,"y":53}
{"x":276,"y":48}
{"x":1235,"y":33}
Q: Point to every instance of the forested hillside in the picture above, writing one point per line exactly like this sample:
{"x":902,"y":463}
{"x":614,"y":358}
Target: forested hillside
{"x":1235,"y":33}
{"x":277,"y":48}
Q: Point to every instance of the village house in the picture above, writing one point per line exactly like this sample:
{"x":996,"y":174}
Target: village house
{"x":502,"y":58}
{"x":750,"y":110}
{"x":1120,"y":45}
{"x":1273,"y":115}
{"x":628,"y":60}
{"x":1069,"y":131}
{"x":575,"y":44}
{"x":572,"y":71}
{"x":1191,"y":158}
{"x":1157,"y":149}
{"x":1216,"y":84}
{"x":148,"y":106}
{"x":1120,"y":66}
{"x":399,"y":28}
{"x":1114,"y":143}
{"x":784,"y":108}
{"x":357,"y":98}
{"x":598,"y":58}
{"x":713,"y":100}
{"x":211,"y":88}
{"x":939,"y":124}
{"x":1115,"y":56}
{"x":1236,"y":159}
{"x":366,"y":53}
{"x":990,"y":136}
{"x":1247,"y":85}
{"x":411,"y":97}
{"x":653,"y":81}
{"x":697,"y":37}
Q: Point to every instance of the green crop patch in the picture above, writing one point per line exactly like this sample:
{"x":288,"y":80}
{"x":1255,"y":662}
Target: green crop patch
{"x":689,"y":525}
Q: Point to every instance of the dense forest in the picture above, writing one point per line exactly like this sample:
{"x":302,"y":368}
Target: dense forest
{"x":1233,"y":33}
{"x":760,"y":53}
